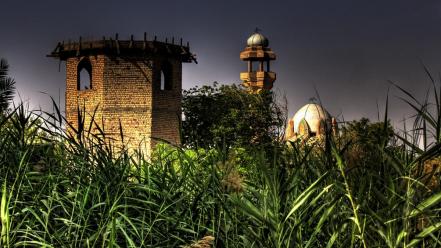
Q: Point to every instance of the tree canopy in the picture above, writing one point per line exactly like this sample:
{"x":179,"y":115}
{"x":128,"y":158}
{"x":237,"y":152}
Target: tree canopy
{"x":227,"y":115}
{"x":365,"y":140}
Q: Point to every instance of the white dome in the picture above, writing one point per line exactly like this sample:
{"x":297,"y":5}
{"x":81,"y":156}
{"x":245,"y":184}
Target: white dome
{"x":257,"y":39}
{"x":314,"y":115}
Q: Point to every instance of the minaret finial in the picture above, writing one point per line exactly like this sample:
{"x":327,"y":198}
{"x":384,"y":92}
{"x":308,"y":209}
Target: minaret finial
{"x":257,"y":30}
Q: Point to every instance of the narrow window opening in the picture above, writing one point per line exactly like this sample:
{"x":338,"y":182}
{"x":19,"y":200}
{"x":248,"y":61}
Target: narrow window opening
{"x":166,"y":76}
{"x":162,"y":80}
{"x":261,"y":66}
{"x":84,"y":79}
{"x":255,"y":66}
{"x":84,"y":75}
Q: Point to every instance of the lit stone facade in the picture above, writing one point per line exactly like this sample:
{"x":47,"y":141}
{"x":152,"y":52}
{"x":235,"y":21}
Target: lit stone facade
{"x":133,"y":84}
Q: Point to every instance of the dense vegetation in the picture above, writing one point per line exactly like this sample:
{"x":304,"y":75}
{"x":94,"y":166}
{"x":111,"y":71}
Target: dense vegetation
{"x":369,"y":187}
{"x":7,"y":86}
{"x":228,"y":116}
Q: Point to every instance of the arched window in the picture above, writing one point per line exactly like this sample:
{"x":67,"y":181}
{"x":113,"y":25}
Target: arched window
{"x":304,"y":128}
{"x":84,"y":75}
{"x":162,"y":80}
{"x":166,"y":76}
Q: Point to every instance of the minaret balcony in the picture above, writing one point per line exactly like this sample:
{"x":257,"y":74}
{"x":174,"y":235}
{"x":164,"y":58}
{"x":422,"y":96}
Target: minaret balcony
{"x":252,"y":53}
{"x":255,"y":76}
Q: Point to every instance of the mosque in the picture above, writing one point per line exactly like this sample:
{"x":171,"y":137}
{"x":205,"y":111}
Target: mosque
{"x":311,"y":120}
{"x":129,"y":89}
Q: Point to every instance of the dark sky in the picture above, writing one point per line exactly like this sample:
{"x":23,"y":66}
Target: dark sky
{"x":347,"y":50}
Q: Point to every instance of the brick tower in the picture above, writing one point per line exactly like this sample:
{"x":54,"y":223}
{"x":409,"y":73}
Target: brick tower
{"x":257,"y":54}
{"x":135,"y":84}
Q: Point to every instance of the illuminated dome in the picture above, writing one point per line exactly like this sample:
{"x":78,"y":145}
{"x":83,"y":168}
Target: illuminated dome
{"x":310,"y":121}
{"x":257,"y":39}
{"x":314,"y":115}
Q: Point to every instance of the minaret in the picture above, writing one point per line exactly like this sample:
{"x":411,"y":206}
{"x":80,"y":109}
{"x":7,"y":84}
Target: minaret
{"x":258,"y":55}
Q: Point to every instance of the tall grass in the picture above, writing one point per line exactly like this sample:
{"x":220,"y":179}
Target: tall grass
{"x":73,"y":189}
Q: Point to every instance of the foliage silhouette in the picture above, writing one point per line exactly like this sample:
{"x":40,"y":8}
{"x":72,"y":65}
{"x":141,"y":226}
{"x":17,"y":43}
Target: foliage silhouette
{"x":7,"y":86}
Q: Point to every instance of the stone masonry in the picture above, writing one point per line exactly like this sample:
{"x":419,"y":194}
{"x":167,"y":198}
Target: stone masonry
{"x":133,"y":84}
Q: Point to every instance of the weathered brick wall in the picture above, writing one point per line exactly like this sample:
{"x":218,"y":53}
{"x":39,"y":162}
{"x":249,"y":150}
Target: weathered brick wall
{"x":127,"y":91}
{"x":84,"y":100}
{"x":128,"y":100}
{"x":167,"y":103}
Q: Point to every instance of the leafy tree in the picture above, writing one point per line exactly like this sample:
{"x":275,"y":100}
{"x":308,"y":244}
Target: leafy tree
{"x":365,"y":140}
{"x":7,"y":86}
{"x":227,"y":115}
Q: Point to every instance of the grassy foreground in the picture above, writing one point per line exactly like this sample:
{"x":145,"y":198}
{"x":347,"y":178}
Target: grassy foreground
{"x":57,"y":191}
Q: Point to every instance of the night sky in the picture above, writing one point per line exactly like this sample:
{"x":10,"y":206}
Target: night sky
{"x":346,"y":50}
